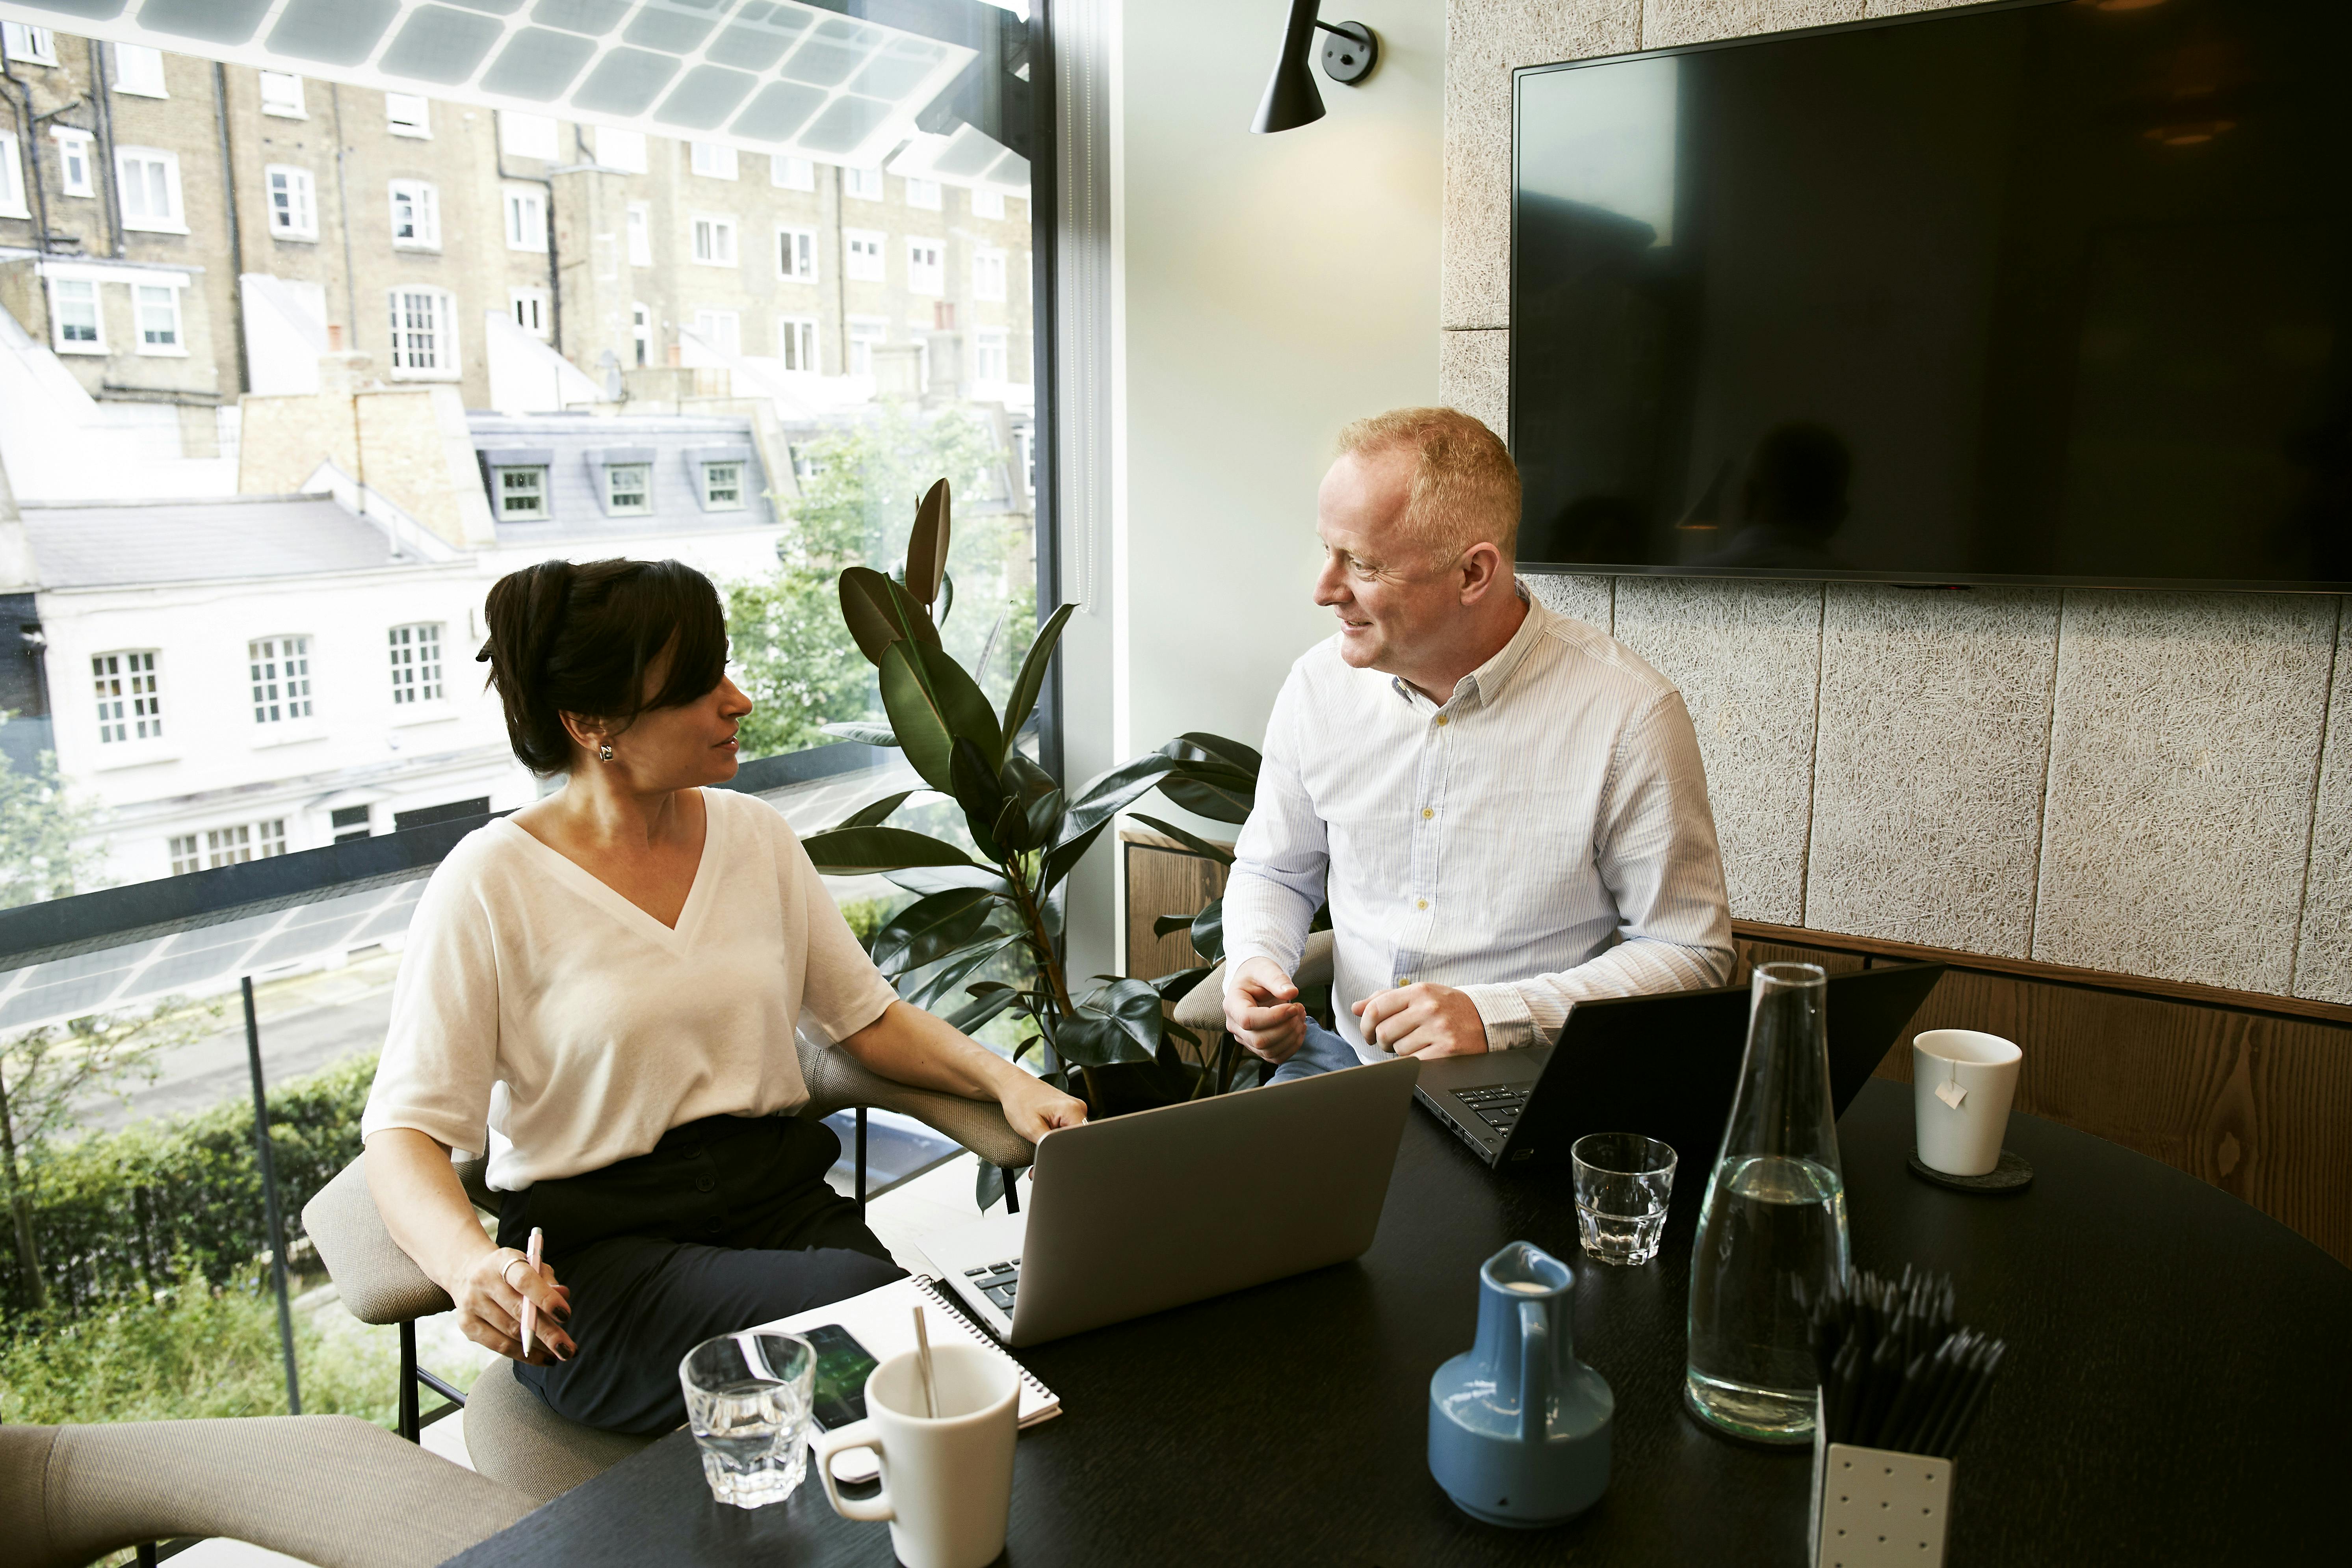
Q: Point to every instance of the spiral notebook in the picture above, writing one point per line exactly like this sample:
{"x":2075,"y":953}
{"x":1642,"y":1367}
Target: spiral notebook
{"x":883,"y":1321}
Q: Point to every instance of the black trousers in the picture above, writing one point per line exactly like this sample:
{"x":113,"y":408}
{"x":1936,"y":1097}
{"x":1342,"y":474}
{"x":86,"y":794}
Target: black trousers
{"x":727,"y":1223}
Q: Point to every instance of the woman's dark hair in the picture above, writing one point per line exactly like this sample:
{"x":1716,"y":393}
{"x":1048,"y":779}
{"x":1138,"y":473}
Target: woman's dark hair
{"x":568,"y":638}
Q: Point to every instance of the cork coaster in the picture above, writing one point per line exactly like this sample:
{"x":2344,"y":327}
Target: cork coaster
{"x":2013,"y":1174}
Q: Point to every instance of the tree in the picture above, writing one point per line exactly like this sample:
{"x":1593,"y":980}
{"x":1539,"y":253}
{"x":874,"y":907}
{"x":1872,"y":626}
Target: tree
{"x":48,"y":843}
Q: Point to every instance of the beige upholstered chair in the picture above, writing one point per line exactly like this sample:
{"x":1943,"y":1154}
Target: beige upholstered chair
{"x":328,"y":1489}
{"x":511,"y":1434}
{"x":1202,"y":1009}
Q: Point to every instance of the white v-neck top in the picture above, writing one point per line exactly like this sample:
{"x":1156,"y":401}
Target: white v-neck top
{"x":536,"y":1000}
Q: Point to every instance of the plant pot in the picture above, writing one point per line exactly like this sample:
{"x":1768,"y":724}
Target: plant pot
{"x":1122,"y":1087}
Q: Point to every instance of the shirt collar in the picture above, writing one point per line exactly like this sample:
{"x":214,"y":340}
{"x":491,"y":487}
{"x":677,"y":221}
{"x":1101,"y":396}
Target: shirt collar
{"x":1484,"y":684}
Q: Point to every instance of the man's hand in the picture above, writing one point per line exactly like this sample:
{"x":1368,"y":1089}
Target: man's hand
{"x":1264,"y":1013}
{"x":1036,"y":1108}
{"x":1424,"y":1020}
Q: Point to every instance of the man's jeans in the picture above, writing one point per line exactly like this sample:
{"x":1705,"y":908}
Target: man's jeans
{"x":1322,"y":1052}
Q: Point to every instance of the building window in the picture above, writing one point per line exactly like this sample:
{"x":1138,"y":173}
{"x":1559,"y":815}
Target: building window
{"x":525,"y":220}
{"x":416,"y":666}
{"x":526,"y":135}
{"x":282,"y":95}
{"x":865,"y":332}
{"x":522,"y":493}
{"x":641,"y":331}
{"x":723,"y":487}
{"x":641,"y":239}
{"x":711,"y":159}
{"x":987,"y":273}
{"x":349,"y":822}
{"x":621,"y":149}
{"x":74,"y":303}
{"x":804,"y":466}
{"x":924,"y":273}
{"x":293,"y":210}
{"x":76,"y":175}
{"x":987,"y":203}
{"x":862,"y":249}
{"x":130,"y":703}
{"x":157,"y":307}
{"x":989,"y":359}
{"x":415,"y":215}
{"x":865,"y":185}
{"x":720,"y":330}
{"x":923,"y":193}
{"x":791,"y":174}
{"x":405,"y":114}
{"x":796,"y":254}
{"x":1025,"y":457}
{"x":187,"y":855}
{"x":530,"y":311}
{"x":11,"y":180}
{"x":714,"y":241}
{"x":280,"y":668}
{"x":150,"y":181}
{"x":25,"y":42}
{"x":423,"y":332}
{"x":272,"y":834}
{"x":796,"y":343}
{"x":232,"y":845}
{"x":628,"y":488}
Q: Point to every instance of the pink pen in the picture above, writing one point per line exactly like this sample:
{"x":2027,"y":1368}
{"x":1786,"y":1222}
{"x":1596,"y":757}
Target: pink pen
{"x":530,"y":1307}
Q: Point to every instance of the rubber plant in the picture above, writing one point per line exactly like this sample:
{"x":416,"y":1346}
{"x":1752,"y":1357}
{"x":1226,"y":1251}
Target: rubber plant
{"x":1030,"y":833}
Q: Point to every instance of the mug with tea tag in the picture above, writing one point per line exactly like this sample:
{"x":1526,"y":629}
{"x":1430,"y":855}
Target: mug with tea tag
{"x":947,"y":1477}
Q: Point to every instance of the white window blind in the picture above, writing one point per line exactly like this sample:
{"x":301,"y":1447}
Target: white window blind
{"x":281,"y":94}
{"x":405,"y":114}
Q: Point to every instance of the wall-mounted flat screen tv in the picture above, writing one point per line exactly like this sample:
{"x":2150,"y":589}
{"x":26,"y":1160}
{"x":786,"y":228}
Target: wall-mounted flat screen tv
{"x":2039,"y":292}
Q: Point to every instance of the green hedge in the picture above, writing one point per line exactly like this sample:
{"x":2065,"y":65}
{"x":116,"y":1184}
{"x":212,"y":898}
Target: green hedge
{"x":116,"y":1215}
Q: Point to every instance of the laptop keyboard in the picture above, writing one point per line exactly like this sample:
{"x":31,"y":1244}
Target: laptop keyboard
{"x":998,"y":1282}
{"x":1496,"y":1105}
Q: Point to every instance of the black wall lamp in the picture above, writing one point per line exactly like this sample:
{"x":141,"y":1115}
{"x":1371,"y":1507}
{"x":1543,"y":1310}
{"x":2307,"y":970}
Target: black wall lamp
{"x":1348,"y":56}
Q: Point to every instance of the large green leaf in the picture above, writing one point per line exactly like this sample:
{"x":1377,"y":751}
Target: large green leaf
{"x":977,"y":1011}
{"x":1134,"y":1005}
{"x":880,"y":613}
{"x":927,"y":879}
{"x":1033,"y":806}
{"x":924,"y":988}
{"x":871,"y":814}
{"x":1106,"y":794}
{"x":932,"y":702}
{"x":861,"y":851}
{"x":930,"y":928}
{"x":1194,"y":745}
{"x":1022,"y":698}
{"x":1064,"y":857}
{"x":1213,"y":796}
{"x":926,"y":547}
{"x":1193,"y":841}
{"x":865,"y":734}
{"x":1209,"y":931}
{"x":1094,"y":1040}
{"x":979,"y":792}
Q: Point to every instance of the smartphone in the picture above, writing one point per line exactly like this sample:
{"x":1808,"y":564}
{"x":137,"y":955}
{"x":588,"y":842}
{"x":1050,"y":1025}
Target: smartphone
{"x":842,"y":1365}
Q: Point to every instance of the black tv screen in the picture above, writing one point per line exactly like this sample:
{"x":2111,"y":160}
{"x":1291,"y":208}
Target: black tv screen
{"x":2042,"y":292}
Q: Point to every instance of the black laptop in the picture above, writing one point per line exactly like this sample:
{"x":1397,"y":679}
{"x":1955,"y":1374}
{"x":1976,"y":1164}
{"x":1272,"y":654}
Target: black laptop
{"x":1665,"y":1066}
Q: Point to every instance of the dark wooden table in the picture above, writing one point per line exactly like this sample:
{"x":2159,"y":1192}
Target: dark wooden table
{"x":2179,"y":1373}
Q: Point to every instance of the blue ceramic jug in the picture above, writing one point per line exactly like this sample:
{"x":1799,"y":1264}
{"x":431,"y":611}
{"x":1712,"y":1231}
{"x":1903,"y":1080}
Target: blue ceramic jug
{"x":1519,"y":1429}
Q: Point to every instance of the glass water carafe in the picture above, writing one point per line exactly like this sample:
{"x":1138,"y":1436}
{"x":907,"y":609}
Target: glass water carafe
{"x":1771,"y":1232}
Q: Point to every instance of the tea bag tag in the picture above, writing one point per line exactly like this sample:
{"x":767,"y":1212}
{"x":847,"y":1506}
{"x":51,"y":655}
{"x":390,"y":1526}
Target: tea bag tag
{"x":1951,"y":1092}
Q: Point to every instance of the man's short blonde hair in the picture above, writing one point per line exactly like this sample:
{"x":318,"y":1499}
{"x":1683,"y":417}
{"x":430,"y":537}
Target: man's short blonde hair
{"x":1465,"y":489}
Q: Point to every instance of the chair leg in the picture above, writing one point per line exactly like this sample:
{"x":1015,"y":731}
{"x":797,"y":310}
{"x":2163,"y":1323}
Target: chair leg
{"x":1011,"y":1191}
{"x":409,"y":1427}
{"x":861,"y":1162}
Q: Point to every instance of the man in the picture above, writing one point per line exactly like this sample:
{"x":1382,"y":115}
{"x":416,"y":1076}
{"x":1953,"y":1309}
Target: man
{"x":1506,"y":809}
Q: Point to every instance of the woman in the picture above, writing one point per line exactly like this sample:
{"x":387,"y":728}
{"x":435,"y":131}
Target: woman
{"x":610,"y":980}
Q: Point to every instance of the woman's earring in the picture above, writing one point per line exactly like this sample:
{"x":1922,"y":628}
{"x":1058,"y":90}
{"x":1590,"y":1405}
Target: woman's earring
{"x":604,"y":752}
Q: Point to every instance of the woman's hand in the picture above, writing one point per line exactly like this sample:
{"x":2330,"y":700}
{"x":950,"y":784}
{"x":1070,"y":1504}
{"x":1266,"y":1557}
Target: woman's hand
{"x":1036,"y":1108}
{"x":490,"y":1297}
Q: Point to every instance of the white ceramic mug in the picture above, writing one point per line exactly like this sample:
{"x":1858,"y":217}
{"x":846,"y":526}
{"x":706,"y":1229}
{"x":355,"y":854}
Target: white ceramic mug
{"x":1978,"y":1070}
{"x":946,"y":1480}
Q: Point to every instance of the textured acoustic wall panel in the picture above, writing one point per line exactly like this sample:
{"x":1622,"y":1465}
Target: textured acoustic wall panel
{"x":2323,"y":959}
{"x":1665,"y":22}
{"x":1746,"y":655}
{"x":1585,"y":597}
{"x":1474,"y":374}
{"x":2184,"y":751}
{"x":1935,"y":731}
{"x":1485,"y":41}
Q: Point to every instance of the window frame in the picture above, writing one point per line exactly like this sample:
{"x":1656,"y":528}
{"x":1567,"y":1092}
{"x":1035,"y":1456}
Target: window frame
{"x":523,"y":218}
{"x":301,"y":708}
{"x":285,"y":104}
{"x":532,"y":308}
{"x":982,"y":256}
{"x":638,"y":233}
{"x":424,"y":199}
{"x":716,"y":226}
{"x":933,"y":273}
{"x":60,"y":278}
{"x":12,"y":178}
{"x":77,"y":148}
{"x":924,"y":196}
{"x":800,"y":338}
{"x":31,"y":43}
{"x":988,"y":340}
{"x":523,"y":135}
{"x":417,"y":125}
{"x":725,"y":335}
{"x":706,"y":484}
{"x":501,"y":492}
{"x":611,"y":490}
{"x":144,"y":78}
{"x":127,"y":701}
{"x":301,"y":191}
{"x":399,"y":362}
{"x":995,"y":210}
{"x":614,"y":139}
{"x":178,"y":347}
{"x":867,"y":332}
{"x":875,"y":246}
{"x":854,"y":183}
{"x":712,"y":159}
{"x":419,"y":679}
{"x":796,"y":251}
{"x":176,"y":219}
{"x":788,"y":172}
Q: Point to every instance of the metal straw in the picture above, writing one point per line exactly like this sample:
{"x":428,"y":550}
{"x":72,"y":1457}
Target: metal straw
{"x":923,"y":1360}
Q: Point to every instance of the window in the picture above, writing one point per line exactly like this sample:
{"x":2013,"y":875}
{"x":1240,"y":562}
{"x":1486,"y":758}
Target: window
{"x":526,"y":219}
{"x":150,"y":180}
{"x":987,"y":203}
{"x":129,"y":704}
{"x":864,"y":254}
{"x":293,"y":213}
{"x":423,"y":332}
{"x":722,"y":330}
{"x":924,"y":273}
{"x":415,"y":669}
{"x":186,"y":856}
{"x":987,"y":273}
{"x":641,"y":239}
{"x":415,"y":215}
{"x":280,"y":671}
{"x":923,"y":193}
{"x":348,"y":822}
{"x":865,"y":185}
{"x":796,"y":343}
{"x":621,"y":149}
{"x":532,"y":311}
{"x":526,"y":135}
{"x":11,"y":180}
{"x":405,"y":114}
{"x":714,"y":241}
{"x":73,"y":302}
{"x":272,"y":835}
{"x":282,"y":95}
{"x":521,"y":493}
{"x":1025,"y":457}
{"x":641,"y":331}
{"x":37,"y":45}
{"x":791,"y":174}
{"x":76,"y":176}
{"x":865,"y":332}
{"x":157,"y":307}
{"x":232,"y":845}
{"x":628,"y":488}
{"x":723,"y":487}
{"x":796,"y":254}
{"x":989,"y":357}
{"x":804,"y":466}
{"x":711,"y":160}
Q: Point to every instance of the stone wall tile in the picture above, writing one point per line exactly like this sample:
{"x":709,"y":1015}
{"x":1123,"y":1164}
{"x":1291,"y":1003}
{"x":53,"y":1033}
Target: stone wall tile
{"x":1934,"y":729}
{"x":2184,"y":749}
{"x":1669,"y":22}
{"x":1908,"y":7}
{"x":1485,"y":41}
{"x":1746,"y":656}
{"x":2323,"y":959}
{"x":1583,"y":595}
{"x":1474,"y":374}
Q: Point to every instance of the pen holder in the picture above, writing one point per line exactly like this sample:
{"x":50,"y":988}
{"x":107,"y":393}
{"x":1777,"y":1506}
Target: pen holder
{"x":1874,"y":1507}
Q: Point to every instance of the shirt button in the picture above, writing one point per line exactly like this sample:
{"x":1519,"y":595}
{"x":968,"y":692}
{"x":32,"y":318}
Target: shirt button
{"x":705,"y":1184}
{"x":1404,"y":980}
{"x":1440,"y":717}
{"x":1421,"y":903}
{"x":1428,"y":811}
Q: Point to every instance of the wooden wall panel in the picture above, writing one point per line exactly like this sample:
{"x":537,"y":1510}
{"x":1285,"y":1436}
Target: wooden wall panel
{"x":1162,"y":882}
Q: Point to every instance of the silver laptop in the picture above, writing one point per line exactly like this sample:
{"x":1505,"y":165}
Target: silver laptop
{"x":1238,"y":1190}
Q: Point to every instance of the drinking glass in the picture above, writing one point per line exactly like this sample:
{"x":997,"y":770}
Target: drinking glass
{"x":747,"y":1397}
{"x":1622,"y":1184}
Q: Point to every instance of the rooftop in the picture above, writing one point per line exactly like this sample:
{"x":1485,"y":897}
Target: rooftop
{"x":194,"y":540}
{"x":578,"y":453}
